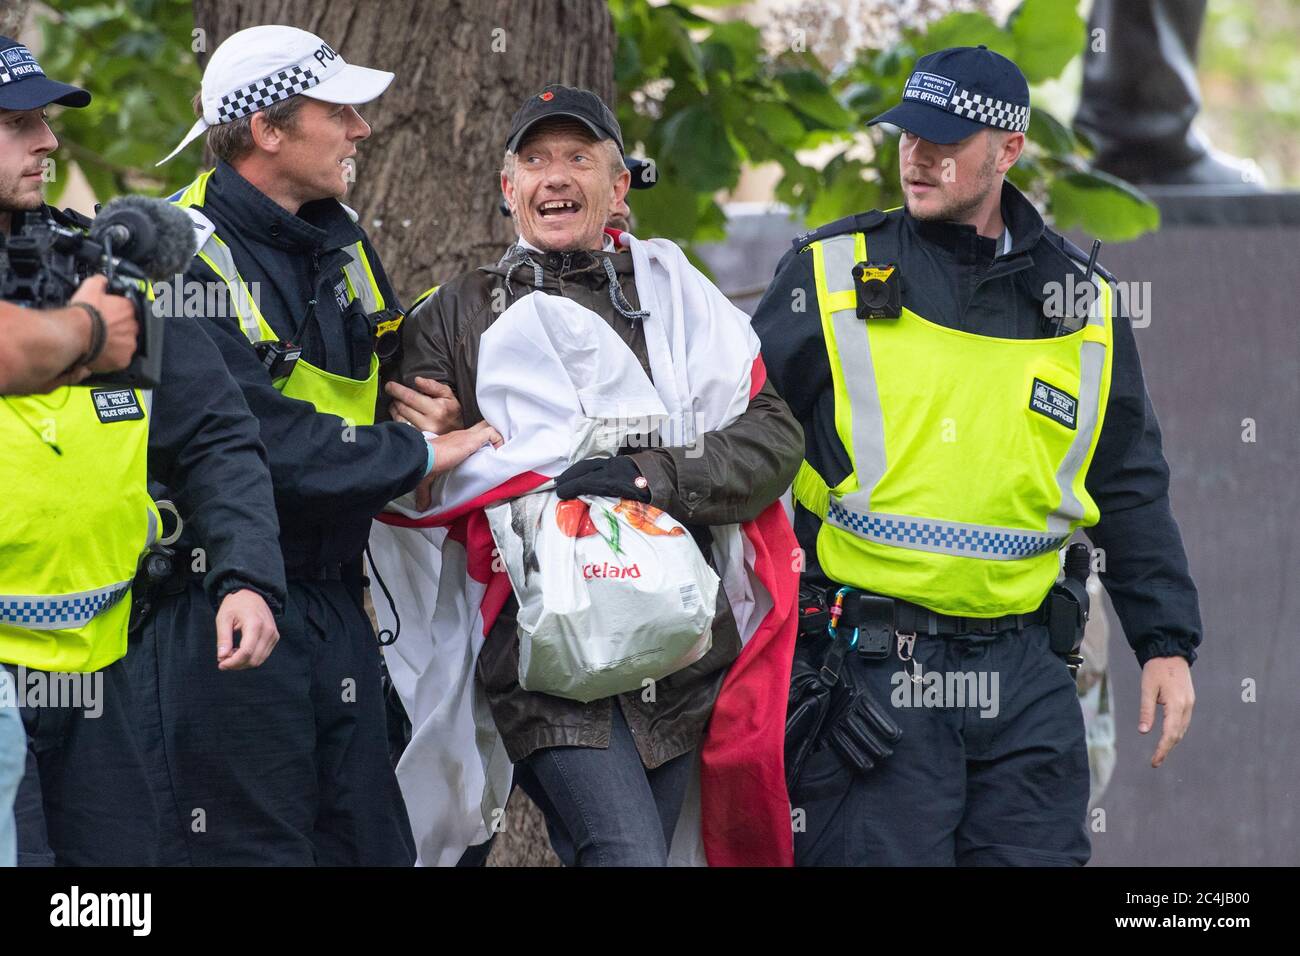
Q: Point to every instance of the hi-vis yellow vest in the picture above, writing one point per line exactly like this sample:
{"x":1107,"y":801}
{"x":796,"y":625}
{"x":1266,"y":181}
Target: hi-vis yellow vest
{"x":969,"y":453}
{"x":351,"y":399}
{"x":76,"y":518}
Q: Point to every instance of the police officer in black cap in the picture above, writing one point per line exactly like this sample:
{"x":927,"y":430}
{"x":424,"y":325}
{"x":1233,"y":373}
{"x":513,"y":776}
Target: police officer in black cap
{"x":970,"y":393}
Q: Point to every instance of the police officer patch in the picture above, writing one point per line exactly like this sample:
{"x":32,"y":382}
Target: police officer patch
{"x":341,"y":294}
{"x":116,"y":404}
{"x":1055,"y":404}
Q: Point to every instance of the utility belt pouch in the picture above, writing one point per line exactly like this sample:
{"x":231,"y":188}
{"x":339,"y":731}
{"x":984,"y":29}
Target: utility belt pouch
{"x":1064,"y":621}
{"x":1068,"y":602}
{"x":814,"y":616}
{"x":155,"y":568}
{"x":872,"y":617}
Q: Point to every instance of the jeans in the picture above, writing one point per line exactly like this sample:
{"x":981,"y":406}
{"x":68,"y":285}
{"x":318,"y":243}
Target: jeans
{"x":992,"y":770}
{"x":13,"y":755}
{"x":602,"y":807}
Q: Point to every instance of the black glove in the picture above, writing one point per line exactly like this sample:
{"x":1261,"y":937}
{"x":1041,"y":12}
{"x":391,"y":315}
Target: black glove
{"x":607,"y":477}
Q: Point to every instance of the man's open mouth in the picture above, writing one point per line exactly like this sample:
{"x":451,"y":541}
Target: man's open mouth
{"x":558,"y":208}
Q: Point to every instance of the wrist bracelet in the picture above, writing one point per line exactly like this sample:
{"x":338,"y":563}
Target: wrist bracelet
{"x":98,"y":334}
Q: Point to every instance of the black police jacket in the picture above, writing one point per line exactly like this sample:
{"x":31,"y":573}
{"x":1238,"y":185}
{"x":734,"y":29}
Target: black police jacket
{"x":953,"y":276}
{"x":328,"y":484}
{"x":211,"y":459}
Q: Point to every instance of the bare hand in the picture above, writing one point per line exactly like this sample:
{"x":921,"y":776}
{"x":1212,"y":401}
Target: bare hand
{"x":246,"y":612}
{"x":1166,"y":681}
{"x":120,"y":327}
{"x":449,"y":451}
{"x":436,"y":410}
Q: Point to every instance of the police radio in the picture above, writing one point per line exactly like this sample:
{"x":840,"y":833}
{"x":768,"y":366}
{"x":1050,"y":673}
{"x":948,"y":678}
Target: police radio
{"x":877,"y":290}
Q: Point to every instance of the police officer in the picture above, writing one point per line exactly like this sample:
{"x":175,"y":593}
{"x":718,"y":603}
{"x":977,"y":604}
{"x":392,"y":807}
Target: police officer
{"x":960,"y":424}
{"x":290,"y":764}
{"x":77,"y":517}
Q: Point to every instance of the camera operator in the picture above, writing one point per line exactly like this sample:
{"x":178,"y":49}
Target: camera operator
{"x":42,"y":349}
{"x":77,"y":519}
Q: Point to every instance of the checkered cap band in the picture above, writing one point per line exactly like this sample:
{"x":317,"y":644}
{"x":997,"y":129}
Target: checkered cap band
{"x":990,"y":111}
{"x":260,"y":94}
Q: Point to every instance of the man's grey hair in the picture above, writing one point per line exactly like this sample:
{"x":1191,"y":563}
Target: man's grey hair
{"x":234,"y":140}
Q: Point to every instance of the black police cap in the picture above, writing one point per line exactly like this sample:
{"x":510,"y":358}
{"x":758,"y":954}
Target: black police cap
{"x":956,"y":92}
{"x":24,"y":85}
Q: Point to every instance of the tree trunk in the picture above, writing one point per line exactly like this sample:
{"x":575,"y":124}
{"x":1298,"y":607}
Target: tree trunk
{"x":428,"y":184}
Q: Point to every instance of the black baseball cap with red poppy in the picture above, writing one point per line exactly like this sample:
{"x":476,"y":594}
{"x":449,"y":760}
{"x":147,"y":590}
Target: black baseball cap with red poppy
{"x":555,"y":101}
{"x":586,"y":107}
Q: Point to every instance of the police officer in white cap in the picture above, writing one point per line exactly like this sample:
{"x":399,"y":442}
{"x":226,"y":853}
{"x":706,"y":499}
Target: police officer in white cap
{"x":290,"y":766}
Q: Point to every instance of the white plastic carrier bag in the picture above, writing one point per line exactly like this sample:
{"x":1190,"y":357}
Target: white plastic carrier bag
{"x":612,"y":593}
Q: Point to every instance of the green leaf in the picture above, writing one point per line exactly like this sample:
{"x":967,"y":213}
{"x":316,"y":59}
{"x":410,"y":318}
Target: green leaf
{"x":1101,"y":205}
{"x":965,"y":29}
{"x":1048,"y":35}
{"x":1049,"y":132}
{"x":743,"y":44}
{"x":669,"y":210}
{"x":808,"y":94}
{"x":667,"y":20}
{"x":777,"y":123}
{"x":697,"y":151}
{"x":627,"y":61}
{"x":846,"y":192}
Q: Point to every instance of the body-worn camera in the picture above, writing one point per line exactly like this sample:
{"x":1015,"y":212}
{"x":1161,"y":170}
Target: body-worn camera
{"x":42,"y":266}
{"x":387,"y":331}
{"x":878,"y":292}
{"x":279,"y":358}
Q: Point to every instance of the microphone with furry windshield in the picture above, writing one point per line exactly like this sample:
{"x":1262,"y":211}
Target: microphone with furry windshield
{"x":133,"y":242}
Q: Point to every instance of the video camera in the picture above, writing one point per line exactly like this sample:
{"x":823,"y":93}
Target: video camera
{"x":134,"y":240}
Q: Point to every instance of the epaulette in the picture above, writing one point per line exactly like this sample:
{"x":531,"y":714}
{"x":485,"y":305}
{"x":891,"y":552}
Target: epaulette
{"x":203,"y":227}
{"x":862,"y":222}
{"x":1078,"y":255}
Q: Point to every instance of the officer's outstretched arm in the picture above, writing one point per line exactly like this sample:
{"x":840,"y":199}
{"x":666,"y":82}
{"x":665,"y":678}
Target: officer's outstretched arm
{"x":319,"y":461}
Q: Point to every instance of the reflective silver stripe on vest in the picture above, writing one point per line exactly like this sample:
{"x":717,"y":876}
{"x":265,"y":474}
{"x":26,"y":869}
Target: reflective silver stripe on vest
{"x":1092,"y":362}
{"x":360,"y":279}
{"x":220,"y":254}
{"x":859,"y":374}
{"x":242,"y":297}
{"x":47,"y":612}
{"x":945,"y":537}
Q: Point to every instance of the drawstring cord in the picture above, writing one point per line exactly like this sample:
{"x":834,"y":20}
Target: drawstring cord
{"x":397,"y":621}
{"x":516,"y":257}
